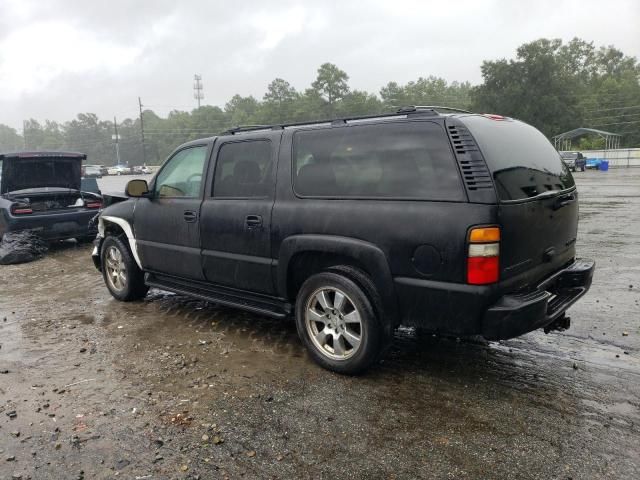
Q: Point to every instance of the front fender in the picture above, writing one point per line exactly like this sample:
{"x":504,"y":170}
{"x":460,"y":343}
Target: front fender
{"x":121,"y":214}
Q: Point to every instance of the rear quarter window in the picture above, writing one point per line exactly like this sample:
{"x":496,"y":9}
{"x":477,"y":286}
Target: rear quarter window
{"x":402,"y":160}
{"x":522,"y":161}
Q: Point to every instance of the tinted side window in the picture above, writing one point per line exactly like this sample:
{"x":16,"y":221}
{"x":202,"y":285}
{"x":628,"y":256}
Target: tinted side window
{"x":410,"y":160}
{"x":243,"y":169}
{"x":181,"y":176}
{"x":523,"y":162}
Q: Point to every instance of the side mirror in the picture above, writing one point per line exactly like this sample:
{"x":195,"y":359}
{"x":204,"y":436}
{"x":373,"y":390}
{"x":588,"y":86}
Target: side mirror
{"x":137,"y":188}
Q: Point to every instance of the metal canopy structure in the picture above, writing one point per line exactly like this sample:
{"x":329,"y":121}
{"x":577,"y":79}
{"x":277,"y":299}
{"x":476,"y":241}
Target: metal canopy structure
{"x":563,"y":141}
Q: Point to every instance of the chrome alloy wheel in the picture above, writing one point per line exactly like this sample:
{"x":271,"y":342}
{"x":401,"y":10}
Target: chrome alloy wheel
{"x":116,"y":269}
{"x":333,"y":323}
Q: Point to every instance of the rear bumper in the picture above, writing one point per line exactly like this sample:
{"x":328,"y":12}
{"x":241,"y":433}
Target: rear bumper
{"x":460,"y":309}
{"x":54,"y":226}
{"x":514,"y":315}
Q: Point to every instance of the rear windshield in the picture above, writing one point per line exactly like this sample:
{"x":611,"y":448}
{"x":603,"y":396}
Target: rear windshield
{"x":407,"y":160}
{"x":522,"y":161}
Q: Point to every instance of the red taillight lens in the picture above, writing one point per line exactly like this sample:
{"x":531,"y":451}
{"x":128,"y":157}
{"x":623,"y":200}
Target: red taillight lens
{"x":93,"y":204}
{"x":482,"y":270}
{"x":493,"y":116}
{"x":483,"y":259}
{"x":21,"y":210}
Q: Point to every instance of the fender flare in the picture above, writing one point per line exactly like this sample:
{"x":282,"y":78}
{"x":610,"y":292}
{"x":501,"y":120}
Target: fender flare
{"x":371,"y":257}
{"x":126,"y":227}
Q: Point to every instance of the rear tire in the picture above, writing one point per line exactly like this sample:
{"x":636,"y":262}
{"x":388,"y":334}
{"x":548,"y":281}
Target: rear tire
{"x":121,"y":273}
{"x":338,"y":323}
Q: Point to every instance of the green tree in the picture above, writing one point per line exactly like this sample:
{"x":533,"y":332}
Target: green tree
{"x":535,"y":87}
{"x":278,"y":102}
{"x":557,"y":87}
{"x":331,"y":84}
{"x":241,"y":110}
{"x":427,"y":91}
{"x":358,"y":102}
{"x":10,"y":140}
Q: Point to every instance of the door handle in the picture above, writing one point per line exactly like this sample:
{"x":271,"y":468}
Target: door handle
{"x":190,"y":216}
{"x":254,"y":221}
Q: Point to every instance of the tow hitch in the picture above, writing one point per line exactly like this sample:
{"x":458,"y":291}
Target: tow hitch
{"x":560,"y":324}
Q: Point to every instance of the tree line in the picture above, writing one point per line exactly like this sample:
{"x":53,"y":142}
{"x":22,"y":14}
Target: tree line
{"x":552,"y":85}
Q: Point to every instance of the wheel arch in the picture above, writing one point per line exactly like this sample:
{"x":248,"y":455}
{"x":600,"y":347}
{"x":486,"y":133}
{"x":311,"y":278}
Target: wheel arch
{"x":119,"y":226}
{"x":304,"y":255}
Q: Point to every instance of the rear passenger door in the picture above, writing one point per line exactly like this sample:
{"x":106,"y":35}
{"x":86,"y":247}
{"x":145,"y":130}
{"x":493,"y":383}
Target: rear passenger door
{"x":235,"y":220}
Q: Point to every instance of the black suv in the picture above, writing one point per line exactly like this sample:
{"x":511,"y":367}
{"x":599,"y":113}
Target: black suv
{"x":455,"y":223}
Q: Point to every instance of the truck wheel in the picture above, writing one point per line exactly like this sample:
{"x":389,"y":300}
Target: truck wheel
{"x":338,"y":323}
{"x":121,"y":273}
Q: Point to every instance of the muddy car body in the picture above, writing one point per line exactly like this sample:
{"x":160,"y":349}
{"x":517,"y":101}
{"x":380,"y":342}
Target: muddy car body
{"x":41,"y":192}
{"x":457,"y":223}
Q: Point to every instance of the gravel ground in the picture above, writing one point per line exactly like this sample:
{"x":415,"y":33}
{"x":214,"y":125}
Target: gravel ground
{"x":177,"y":388}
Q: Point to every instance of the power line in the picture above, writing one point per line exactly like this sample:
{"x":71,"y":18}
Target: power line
{"x":618,"y":123}
{"x":622,"y":116}
{"x":616,"y":108}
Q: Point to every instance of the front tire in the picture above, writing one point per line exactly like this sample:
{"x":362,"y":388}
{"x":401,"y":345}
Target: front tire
{"x":121,"y":273}
{"x":338,"y":324}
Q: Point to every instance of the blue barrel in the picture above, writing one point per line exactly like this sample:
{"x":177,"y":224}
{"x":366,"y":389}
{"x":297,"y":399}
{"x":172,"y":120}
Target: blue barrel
{"x":604,"y":165}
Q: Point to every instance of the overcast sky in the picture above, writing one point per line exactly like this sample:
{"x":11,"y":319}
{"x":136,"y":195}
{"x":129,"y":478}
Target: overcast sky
{"x":62,"y":57}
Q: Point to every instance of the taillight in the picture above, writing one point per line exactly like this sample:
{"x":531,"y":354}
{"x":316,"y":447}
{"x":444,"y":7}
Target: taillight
{"x":493,"y":116}
{"x":93,"y":204}
{"x":21,"y":209}
{"x":483,"y":259}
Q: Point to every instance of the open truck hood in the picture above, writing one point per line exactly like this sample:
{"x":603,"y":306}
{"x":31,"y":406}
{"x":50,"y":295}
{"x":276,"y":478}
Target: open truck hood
{"x":29,"y":170}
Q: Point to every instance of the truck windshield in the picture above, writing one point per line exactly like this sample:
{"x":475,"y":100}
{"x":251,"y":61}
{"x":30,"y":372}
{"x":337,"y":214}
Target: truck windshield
{"x":522,"y":161}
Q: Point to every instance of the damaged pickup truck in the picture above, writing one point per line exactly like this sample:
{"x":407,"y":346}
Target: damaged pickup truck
{"x":40,"y":192}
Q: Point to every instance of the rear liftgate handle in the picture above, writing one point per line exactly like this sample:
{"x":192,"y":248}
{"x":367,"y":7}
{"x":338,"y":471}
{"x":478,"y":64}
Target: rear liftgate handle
{"x":564,"y":200}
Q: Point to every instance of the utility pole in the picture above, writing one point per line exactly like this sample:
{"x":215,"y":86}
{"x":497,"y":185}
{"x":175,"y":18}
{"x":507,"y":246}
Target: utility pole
{"x":24,"y":133}
{"x":144,"y":153}
{"x":116,"y":137}
{"x":198,"y":88}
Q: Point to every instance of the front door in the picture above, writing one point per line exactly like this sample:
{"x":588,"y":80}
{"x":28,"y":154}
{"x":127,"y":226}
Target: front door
{"x":236,"y":213}
{"x":166,"y":224}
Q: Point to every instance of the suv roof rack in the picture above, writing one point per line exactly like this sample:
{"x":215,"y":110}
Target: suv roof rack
{"x":412,"y":109}
{"x":417,"y":108}
{"x":246,"y":128}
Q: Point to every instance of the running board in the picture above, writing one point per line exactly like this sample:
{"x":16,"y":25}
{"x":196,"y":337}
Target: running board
{"x":260,"y":304}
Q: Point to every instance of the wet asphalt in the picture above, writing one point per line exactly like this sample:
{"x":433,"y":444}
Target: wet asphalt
{"x":172,"y":387}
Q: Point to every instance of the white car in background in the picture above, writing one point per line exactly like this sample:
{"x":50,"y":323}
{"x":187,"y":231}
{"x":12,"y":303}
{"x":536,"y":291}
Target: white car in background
{"x":118,"y":170}
{"x":141,"y":170}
